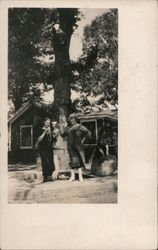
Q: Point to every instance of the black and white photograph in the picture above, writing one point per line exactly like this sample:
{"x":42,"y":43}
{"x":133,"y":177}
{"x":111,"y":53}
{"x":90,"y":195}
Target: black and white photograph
{"x":63,"y":105}
{"x":78,"y":124}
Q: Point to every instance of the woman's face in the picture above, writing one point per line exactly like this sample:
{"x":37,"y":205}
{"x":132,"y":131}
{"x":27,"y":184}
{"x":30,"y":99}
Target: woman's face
{"x":47,"y":124}
{"x":54,"y":124}
{"x":72,"y":121}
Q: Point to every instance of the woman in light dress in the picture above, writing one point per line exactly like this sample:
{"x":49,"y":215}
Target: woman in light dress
{"x":61,"y":160}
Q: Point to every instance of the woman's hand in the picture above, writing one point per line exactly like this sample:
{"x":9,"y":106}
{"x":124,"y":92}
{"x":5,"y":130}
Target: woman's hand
{"x":83,"y":140}
{"x":40,"y":138}
{"x":47,"y":130}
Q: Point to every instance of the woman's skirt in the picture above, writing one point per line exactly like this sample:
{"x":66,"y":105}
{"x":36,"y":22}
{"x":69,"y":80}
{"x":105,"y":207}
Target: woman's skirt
{"x":47,"y":162}
{"x":77,"y":159}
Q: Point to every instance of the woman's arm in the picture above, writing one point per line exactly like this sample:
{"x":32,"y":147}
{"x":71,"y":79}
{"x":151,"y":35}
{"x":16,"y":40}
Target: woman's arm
{"x":40,"y":138}
{"x":64,"y":131}
{"x":85,"y":132}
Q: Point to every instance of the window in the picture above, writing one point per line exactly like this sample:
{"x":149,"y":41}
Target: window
{"x":92,"y":126}
{"x":26,"y":137}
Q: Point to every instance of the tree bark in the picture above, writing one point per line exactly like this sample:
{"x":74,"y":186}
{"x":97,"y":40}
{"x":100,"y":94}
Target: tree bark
{"x":62,"y":93}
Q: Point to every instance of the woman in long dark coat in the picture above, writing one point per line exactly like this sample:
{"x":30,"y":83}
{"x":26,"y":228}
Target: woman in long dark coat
{"x":76,"y":137}
{"x":46,"y":152}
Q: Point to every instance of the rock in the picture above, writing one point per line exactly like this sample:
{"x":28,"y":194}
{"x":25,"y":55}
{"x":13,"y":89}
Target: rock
{"x":104,"y":166}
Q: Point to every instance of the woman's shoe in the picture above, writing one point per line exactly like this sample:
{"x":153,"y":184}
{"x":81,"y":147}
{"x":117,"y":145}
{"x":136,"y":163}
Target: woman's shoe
{"x":45,"y":179}
{"x":49,"y":178}
{"x":81,"y":180}
{"x":71,"y":179}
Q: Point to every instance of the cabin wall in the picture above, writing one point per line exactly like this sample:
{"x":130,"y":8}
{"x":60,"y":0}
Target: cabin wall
{"x":17,"y":154}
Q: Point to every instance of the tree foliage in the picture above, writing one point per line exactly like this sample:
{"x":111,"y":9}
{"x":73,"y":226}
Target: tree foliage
{"x":24,"y":27}
{"x":97,"y":72}
{"x":39,"y":40}
{"x":34,"y":34}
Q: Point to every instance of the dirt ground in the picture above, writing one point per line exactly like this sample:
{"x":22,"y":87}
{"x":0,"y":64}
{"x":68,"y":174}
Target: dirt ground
{"x":26,"y":186}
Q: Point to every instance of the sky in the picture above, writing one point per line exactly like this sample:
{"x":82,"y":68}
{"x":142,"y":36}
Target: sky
{"x":76,"y":40}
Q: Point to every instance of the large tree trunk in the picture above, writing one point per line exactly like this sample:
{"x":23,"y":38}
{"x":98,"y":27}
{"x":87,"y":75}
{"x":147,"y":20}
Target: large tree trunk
{"x":61,"y":44}
{"x":62,"y":92}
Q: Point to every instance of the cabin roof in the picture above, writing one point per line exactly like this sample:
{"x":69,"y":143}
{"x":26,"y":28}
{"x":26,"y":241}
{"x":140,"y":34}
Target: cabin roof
{"x":26,"y":106}
{"x":111,"y":114}
{"x":19,"y":112}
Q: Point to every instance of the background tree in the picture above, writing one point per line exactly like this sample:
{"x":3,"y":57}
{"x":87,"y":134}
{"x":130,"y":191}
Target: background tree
{"x":62,"y":33}
{"x":39,"y":41}
{"x":24,"y":36}
{"x":97,"y":71}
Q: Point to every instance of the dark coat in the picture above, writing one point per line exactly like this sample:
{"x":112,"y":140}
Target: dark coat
{"x":46,"y":154}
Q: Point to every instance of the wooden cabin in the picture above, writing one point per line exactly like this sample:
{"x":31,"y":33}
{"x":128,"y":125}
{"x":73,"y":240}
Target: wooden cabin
{"x":23,"y":131}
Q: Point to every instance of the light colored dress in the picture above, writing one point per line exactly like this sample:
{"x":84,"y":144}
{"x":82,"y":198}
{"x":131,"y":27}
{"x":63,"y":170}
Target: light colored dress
{"x":61,"y":157}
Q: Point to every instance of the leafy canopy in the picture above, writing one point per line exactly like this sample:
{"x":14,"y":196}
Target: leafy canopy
{"x":33,"y":34}
{"x":97,"y":72}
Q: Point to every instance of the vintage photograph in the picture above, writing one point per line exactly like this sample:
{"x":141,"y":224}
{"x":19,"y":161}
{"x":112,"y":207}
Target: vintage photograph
{"x":62,"y":105}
